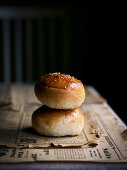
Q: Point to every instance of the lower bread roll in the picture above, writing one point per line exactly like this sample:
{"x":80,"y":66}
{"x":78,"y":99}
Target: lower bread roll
{"x":56,"y":122}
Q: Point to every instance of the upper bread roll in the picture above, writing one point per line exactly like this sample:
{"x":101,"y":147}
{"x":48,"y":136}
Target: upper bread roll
{"x":57,"y":122}
{"x":60,"y":91}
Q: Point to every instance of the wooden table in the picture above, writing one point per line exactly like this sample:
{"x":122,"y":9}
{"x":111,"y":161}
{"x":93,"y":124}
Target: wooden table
{"x":25,"y":93}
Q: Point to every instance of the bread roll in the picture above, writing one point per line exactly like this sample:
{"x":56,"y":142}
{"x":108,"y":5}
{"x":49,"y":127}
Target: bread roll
{"x":60,"y":91}
{"x":54,"y":122}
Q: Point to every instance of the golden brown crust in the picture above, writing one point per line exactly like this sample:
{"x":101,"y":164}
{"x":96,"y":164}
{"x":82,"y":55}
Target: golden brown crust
{"x":54,"y":122}
{"x":60,"y":91}
{"x":59,"y":80}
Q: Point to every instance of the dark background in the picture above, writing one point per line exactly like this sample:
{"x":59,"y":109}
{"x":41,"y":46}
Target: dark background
{"x":91,"y":47}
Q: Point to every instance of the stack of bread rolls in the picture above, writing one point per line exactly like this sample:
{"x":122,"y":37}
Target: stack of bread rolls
{"x":61,"y":95}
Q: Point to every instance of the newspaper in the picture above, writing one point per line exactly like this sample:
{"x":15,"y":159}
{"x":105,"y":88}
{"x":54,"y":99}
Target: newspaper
{"x":104,"y":137}
{"x":16,"y":130}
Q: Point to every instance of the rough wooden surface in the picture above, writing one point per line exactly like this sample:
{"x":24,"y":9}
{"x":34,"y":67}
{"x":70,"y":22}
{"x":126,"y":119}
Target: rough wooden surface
{"x":111,"y":146}
{"x":25,"y":94}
